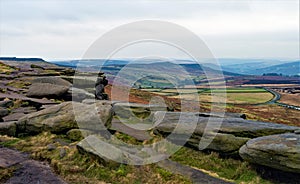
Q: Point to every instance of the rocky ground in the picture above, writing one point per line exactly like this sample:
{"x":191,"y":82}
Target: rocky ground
{"x":36,"y":100}
{"x":26,"y":170}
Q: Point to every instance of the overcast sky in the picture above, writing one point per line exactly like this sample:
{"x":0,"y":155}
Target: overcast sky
{"x":56,"y":29}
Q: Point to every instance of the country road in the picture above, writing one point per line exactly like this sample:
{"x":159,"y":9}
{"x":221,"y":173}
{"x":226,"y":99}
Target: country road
{"x":277,"y":97}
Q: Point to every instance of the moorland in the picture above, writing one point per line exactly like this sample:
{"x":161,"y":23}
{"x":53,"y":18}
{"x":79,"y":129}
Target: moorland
{"x":38,"y":124}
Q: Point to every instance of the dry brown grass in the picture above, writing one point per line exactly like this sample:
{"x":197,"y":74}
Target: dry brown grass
{"x":291,"y":99}
{"x":79,"y":168}
{"x":268,"y":113}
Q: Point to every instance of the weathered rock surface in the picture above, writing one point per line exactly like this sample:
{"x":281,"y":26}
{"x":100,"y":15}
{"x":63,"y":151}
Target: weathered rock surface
{"x":79,"y":95}
{"x":195,"y":175}
{"x":52,"y":80}
{"x":127,"y":110}
{"x":40,"y":73}
{"x":95,"y":116}
{"x":88,"y":101}
{"x":41,"y":90}
{"x":107,"y":153}
{"x":225,"y":143}
{"x":61,"y":118}
{"x":3,"y":112}
{"x":88,"y":145}
{"x":82,"y":81}
{"x":57,"y":118}
{"x":10,"y":157}
{"x":6,"y":103}
{"x":8,"y":128}
{"x":14,"y":116}
{"x":222,"y":115}
{"x":25,"y":110}
{"x":140,"y":135}
{"x":229,"y":136}
{"x":280,"y":151}
{"x":34,"y":101}
{"x":28,"y":171}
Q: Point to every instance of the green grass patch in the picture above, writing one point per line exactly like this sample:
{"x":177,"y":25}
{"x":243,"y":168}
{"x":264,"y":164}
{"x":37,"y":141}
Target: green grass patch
{"x":6,"y":69}
{"x":18,"y":83}
{"x":9,"y":143}
{"x":228,"y":168}
{"x":75,"y":167}
{"x":235,"y":90}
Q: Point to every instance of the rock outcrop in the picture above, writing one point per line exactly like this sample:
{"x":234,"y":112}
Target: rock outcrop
{"x":52,"y":80}
{"x":36,"y":102}
{"x":280,"y":151}
{"x":41,"y":90}
{"x":6,"y":103}
{"x":78,"y":95}
{"x":127,"y":110}
{"x":3,"y":112}
{"x":8,"y":128}
{"x":228,"y":138}
{"x":111,"y":152}
{"x":61,"y":118}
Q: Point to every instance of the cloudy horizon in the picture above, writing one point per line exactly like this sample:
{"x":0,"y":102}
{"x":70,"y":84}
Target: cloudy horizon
{"x":56,"y":30}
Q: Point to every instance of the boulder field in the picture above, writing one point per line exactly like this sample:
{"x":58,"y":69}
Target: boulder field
{"x":269,"y":144}
{"x":30,"y":105}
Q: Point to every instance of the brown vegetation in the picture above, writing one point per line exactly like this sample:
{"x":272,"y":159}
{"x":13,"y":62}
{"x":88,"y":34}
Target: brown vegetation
{"x":291,"y":99}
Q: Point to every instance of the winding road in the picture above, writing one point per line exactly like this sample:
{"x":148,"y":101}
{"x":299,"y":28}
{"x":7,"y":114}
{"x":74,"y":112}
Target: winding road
{"x":277,"y":97}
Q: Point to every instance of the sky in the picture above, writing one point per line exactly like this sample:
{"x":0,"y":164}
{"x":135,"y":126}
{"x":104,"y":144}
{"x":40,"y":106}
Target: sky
{"x":61,"y":29}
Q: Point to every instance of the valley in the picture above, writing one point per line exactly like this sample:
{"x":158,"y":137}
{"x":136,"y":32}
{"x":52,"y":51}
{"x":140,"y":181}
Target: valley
{"x":40,"y":102}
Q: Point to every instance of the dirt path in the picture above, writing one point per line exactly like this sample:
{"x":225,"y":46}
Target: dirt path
{"x":28,"y":170}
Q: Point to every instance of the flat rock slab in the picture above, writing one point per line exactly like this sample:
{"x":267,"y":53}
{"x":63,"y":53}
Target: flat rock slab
{"x":6,"y":103}
{"x":66,"y":116}
{"x":140,"y":135}
{"x":24,"y":98}
{"x":25,"y":110}
{"x":3,"y":112}
{"x":221,"y":115}
{"x":52,"y":80}
{"x":228,"y":134}
{"x":29,"y":171}
{"x":35,"y":172}
{"x":13,"y":117}
{"x":9,"y":157}
{"x":41,"y":90}
{"x":280,"y":151}
{"x":8,"y":128}
{"x":127,"y":110}
{"x":195,"y":175}
{"x":10,"y":77}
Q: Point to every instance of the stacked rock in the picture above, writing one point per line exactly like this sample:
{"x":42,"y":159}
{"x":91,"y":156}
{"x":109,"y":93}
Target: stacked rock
{"x":100,"y":84}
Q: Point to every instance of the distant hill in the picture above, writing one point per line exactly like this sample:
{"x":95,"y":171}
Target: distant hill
{"x":292,"y":68}
{"x":90,"y":62}
{"x":257,"y":67}
{"x":25,"y":62}
{"x":113,"y":66}
{"x":21,"y":59}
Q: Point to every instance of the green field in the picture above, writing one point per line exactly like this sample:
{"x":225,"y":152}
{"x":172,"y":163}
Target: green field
{"x":237,"y":95}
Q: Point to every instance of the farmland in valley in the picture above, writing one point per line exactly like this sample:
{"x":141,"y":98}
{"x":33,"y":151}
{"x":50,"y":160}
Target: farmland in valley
{"x":237,"y":95}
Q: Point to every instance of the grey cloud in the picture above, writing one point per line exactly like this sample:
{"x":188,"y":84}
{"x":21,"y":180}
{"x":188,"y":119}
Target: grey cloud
{"x":70,"y":26}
